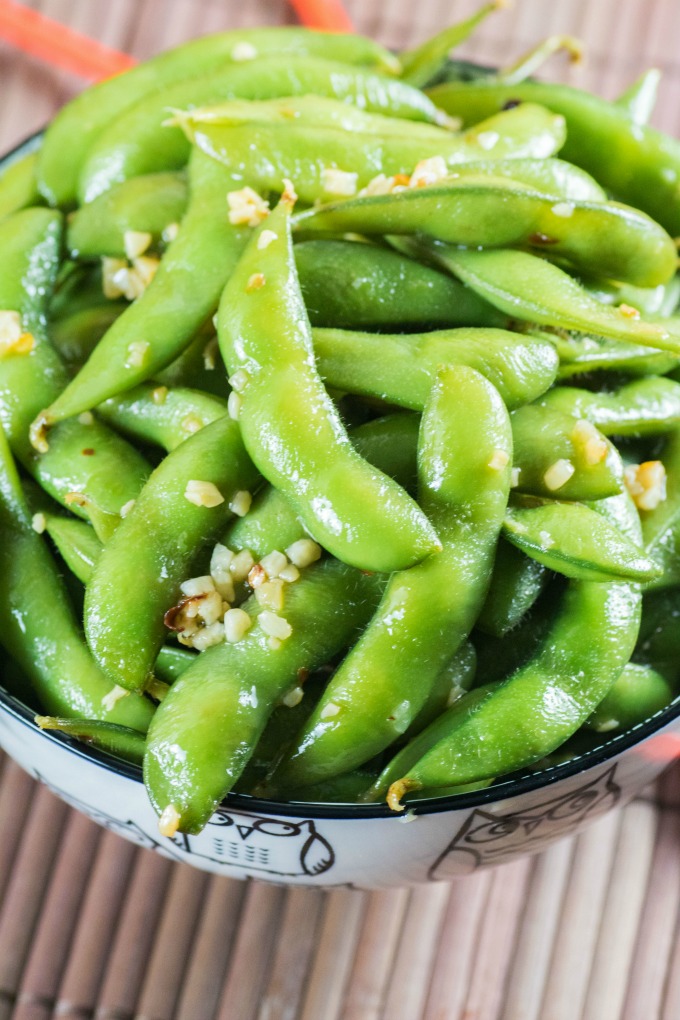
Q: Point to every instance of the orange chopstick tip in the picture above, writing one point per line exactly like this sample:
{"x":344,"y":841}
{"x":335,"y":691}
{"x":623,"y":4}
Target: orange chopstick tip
{"x":56,"y":44}
{"x":42,"y":37}
{"x":326,"y":15}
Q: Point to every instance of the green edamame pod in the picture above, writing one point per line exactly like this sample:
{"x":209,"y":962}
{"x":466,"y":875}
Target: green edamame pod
{"x":376,"y":288}
{"x":578,"y":542}
{"x":661,"y":300}
{"x":533,"y":289}
{"x":183,"y":506}
{"x":443,"y":727}
{"x":661,"y":525}
{"x":158,"y":326}
{"x":639,"y":99}
{"x":559,"y":458}
{"x":603,"y":237}
{"x":141,"y":141}
{"x":465,"y":450}
{"x":233,"y":688}
{"x":120,"y":741}
{"x":540,"y":705}
{"x":147,"y":205}
{"x":658,"y":642}
{"x":85,"y":456}
{"x":39,"y":629}
{"x":272,"y":522}
{"x":77,"y":544}
{"x":76,"y":127}
{"x":637,"y":163}
{"x":263,"y":143}
{"x":18,"y":185}
{"x":550,"y":176}
{"x":421,"y":64}
{"x":644,"y":407}
{"x":400,"y":368}
{"x":580,"y":352}
{"x":280,"y":729}
{"x":516,"y":583}
{"x":156,"y":414}
{"x":75,"y":336}
{"x":635,"y":695}
{"x":358,"y":514}
{"x":452,"y":683}
{"x":172,"y":662}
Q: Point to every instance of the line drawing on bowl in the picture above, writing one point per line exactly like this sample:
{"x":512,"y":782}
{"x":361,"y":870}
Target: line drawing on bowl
{"x":485,"y":838}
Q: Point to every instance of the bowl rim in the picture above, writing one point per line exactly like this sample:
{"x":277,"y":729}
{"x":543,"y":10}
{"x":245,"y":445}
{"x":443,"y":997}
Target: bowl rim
{"x":502,"y":789}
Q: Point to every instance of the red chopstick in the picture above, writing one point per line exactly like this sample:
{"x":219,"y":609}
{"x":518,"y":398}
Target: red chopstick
{"x":72,"y":51}
{"x":327,"y":15}
{"x":58,"y":45}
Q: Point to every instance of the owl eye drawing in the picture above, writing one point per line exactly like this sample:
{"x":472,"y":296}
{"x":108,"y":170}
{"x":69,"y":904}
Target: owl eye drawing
{"x":488,"y":838}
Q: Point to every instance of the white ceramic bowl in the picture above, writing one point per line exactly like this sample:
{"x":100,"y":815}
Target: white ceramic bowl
{"x":352,"y":845}
{"x":362,"y":846}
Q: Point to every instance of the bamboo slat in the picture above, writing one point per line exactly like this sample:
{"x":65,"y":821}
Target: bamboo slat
{"x":373,"y":965}
{"x":134,"y":937}
{"x":297,"y":935}
{"x":59,"y":914}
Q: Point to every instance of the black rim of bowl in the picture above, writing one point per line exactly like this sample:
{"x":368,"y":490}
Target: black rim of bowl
{"x":502,"y":789}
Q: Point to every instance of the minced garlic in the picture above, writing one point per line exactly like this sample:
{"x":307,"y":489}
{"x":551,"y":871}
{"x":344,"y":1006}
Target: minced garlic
{"x":246,"y":207}
{"x":558,"y":474}
{"x":203,"y":493}
{"x":646,"y":483}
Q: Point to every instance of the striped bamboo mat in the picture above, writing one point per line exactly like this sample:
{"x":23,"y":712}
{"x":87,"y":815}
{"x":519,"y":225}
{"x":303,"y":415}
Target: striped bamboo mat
{"x":91,"y":927}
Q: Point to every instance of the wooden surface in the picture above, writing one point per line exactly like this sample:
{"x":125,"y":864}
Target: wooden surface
{"x":91,"y":927}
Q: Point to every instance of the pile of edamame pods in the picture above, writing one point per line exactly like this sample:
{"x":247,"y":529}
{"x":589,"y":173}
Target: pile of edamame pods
{"x":340,"y":406}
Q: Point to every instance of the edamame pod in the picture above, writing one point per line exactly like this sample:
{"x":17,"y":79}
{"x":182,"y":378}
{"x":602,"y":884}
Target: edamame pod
{"x":578,"y":542}
{"x":233,"y":689}
{"x":142,"y":205}
{"x":120,"y":741}
{"x":85,"y":456}
{"x":533,"y":289}
{"x":163,"y":416}
{"x":645,"y":407}
{"x":376,"y":288}
{"x":39,"y":628}
{"x":289,"y":424}
{"x":637,"y":693}
{"x":18,"y":186}
{"x":637,"y":163}
{"x":272,"y":522}
{"x":310,"y":153}
{"x":400,"y":368}
{"x":580,"y":352}
{"x":76,"y":127}
{"x":465,"y":451}
{"x":540,"y":705}
{"x":516,"y":583}
{"x":140,"y":141}
{"x":183,"y":506}
{"x":160,"y":324}
{"x":603,"y":237}
{"x":77,"y":544}
{"x":559,"y":458}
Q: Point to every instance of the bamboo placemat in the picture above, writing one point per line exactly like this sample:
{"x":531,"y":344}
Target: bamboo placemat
{"x":92,"y":927}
